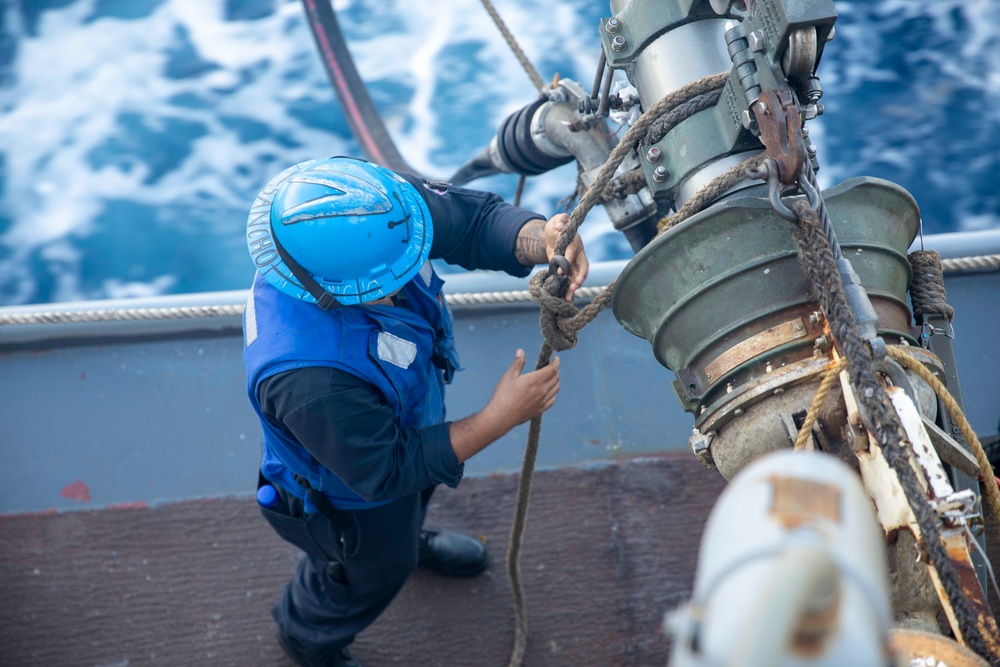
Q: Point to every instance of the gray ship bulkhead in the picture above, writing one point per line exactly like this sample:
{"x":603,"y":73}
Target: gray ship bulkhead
{"x":149,"y":411}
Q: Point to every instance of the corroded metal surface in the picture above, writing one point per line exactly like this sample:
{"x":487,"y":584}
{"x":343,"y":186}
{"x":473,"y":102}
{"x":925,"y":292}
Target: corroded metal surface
{"x":608,"y":550}
{"x":958,"y":551}
{"x":748,"y":349}
{"x":732,"y":271}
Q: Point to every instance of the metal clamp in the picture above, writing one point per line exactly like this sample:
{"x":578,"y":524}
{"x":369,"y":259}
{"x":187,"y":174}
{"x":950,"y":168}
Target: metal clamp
{"x":780,"y":124}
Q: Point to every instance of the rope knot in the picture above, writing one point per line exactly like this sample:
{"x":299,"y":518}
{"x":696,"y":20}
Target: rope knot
{"x":557,"y":318}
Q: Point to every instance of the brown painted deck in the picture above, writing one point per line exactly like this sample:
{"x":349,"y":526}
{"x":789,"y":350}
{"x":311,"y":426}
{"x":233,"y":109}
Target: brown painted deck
{"x":608,"y":550}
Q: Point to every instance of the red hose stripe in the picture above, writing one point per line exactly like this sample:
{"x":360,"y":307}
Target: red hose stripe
{"x":343,"y":90}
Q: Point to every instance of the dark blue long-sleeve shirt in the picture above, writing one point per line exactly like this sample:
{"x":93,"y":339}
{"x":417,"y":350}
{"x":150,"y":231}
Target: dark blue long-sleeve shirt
{"x":343,"y":421}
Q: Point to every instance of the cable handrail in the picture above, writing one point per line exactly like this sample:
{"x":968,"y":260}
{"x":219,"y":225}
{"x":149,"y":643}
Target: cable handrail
{"x":33,"y":316}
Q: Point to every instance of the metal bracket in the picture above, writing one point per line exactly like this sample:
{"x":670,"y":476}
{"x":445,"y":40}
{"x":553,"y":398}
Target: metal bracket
{"x":780,"y":126}
{"x":950,"y":451}
{"x":640,"y":22}
{"x":701,"y":139}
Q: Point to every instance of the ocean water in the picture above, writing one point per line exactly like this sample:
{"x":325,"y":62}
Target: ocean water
{"x":134,"y":134}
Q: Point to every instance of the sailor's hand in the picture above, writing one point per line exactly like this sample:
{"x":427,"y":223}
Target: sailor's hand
{"x":575,"y":255}
{"x":521,"y":396}
{"x":517,"y":398}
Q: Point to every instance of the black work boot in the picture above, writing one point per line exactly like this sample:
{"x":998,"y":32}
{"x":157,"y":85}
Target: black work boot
{"x":452,"y":554}
{"x":341,"y":658}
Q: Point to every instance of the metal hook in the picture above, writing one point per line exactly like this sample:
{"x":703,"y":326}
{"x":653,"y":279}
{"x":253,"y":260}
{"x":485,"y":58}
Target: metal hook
{"x":810,"y":192}
{"x":562,"y":279}
{"x":774,"y":191}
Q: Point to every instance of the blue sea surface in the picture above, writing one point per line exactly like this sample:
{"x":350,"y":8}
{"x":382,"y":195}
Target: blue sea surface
{"x":134,"y":134}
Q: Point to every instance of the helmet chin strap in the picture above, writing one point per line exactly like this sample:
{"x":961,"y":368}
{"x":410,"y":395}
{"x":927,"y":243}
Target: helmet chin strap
{"x":324,"y":299}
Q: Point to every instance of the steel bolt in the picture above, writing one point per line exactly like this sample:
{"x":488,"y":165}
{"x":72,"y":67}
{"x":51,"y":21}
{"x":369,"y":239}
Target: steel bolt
{"x":756,"y":40}
{"x":653,"y":154}
{"x":746,"y":119}
{"x":618,"y":43}
{"x":700,"y":445}
{"x":660,"y":174}
{"x":814,"y":318}
{"x":612,"y":25}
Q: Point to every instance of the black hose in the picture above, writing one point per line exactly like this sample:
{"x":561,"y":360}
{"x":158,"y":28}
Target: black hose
{"x":362,"y":116}
{"x":478,"y":167}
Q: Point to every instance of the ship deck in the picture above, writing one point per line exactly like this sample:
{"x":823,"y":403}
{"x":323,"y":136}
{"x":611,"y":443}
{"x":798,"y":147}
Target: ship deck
{"x":608,"y":549}
{"x":129,"y":534}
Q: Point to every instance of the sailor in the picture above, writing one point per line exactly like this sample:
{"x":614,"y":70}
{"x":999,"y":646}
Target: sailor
{"x":348,"y":346}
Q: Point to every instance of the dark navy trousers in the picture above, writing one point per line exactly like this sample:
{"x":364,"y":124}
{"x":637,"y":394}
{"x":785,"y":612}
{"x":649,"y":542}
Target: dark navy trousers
{"x":352,"y":568}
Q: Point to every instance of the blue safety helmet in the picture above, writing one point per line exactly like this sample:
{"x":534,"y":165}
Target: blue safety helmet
{"x":342,"y":227}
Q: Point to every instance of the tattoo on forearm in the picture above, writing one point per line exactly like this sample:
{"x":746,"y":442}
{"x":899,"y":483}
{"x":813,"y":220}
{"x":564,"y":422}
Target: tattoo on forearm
{"x":530,"y":246}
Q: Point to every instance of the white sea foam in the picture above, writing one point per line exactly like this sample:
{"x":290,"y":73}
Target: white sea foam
{"x":90,"y":122}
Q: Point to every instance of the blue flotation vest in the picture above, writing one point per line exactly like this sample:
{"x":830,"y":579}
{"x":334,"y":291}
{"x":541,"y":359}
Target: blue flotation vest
{"x":408,"y":353}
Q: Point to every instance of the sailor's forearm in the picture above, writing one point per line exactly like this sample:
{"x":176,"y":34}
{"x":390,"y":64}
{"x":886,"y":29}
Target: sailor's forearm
{"x":529,"y":247}
{"x":473,"y":434}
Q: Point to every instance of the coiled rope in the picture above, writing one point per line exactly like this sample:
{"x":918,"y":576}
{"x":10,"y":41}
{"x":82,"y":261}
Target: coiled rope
{"x":927,"y":286}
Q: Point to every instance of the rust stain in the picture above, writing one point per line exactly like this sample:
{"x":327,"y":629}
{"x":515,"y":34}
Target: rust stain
{"x":958,"y":553}
{"x":755,"y":345}
{"x":76,"y":491}
{"x":798,"y":501}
